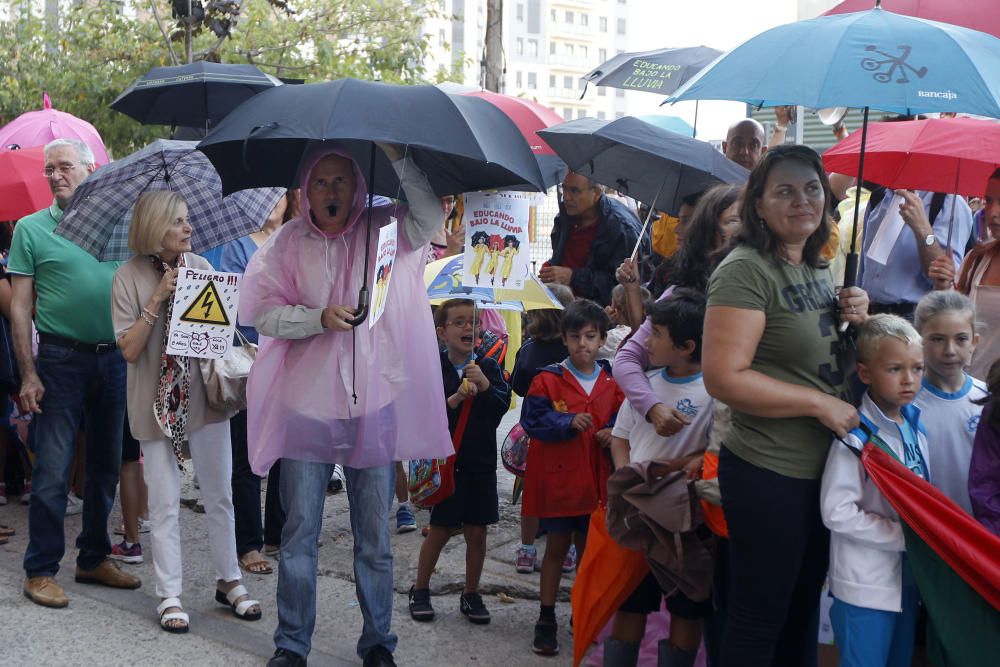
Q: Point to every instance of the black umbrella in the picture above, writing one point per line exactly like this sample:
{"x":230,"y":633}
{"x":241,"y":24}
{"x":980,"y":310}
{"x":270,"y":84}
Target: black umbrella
{"x":194,"y":95}
{"x":655,"y":166}
{"x":659,"y":71}
{"x":462,"y":143}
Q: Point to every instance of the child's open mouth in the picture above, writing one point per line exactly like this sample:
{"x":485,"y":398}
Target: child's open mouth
{"x":467,"y":339}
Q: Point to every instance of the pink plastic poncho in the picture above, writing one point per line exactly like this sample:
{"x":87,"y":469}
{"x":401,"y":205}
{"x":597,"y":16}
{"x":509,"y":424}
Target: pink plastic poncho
{"x":299,"y":395}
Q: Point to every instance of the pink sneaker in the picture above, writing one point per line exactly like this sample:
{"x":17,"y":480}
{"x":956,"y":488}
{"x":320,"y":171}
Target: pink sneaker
{"x":525,"y":562}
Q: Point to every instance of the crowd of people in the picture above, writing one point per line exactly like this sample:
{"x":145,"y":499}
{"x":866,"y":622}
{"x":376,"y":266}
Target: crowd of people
{"x":735,"y":373}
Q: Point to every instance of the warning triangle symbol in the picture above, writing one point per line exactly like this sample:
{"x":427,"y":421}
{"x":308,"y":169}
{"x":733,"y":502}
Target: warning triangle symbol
{"x":206,"y":308}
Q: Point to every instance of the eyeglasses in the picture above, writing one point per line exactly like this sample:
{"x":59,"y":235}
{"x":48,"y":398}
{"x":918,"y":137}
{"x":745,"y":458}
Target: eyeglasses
{"x":63,"y":169}
{"x":461,"y":324}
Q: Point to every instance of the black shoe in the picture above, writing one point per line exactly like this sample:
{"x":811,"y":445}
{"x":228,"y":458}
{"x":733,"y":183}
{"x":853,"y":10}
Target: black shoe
{"x":546,"y":642}
{"x":420,"y":605}
{"x":285,"y":658}
{"x":379,"y":657}
{"x":472,"y":606}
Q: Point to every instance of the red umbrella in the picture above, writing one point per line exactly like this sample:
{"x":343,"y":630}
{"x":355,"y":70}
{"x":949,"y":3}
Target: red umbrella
{"x":530,"y":116}
{"x":37,"y":128}
{"x":23,"y":187}
{"x":956,"y":155}
{"x":981,"y":15}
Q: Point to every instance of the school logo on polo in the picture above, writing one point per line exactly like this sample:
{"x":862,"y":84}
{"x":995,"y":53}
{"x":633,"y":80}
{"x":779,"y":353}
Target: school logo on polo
{"x":687,"y":408}
{"x":973,"y":423}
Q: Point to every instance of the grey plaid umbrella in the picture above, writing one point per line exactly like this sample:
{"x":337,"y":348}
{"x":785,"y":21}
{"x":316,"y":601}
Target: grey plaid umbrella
{"x":99,"y":215}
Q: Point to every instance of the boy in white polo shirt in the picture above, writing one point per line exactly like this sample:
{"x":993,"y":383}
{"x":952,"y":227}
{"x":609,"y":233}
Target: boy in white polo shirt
{"x":674,"y":345}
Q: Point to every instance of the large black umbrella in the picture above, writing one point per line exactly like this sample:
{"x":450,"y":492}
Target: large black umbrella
{"x":193,"y":95}
{"x":659,"y":71}
{"x":656,"y":166}
{"x":462,"y":143}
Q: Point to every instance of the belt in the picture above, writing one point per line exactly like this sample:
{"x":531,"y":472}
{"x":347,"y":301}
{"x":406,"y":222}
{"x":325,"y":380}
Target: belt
{"x":62,"y":341}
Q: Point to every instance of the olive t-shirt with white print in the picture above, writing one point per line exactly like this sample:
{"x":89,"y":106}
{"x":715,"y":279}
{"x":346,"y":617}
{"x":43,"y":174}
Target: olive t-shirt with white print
{"x":799,"y":345}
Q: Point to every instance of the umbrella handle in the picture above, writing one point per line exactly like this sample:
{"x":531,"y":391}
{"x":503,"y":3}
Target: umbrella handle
{"x":362,"y":308}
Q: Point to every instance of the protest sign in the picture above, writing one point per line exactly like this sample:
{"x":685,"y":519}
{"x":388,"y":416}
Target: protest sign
{"x":204,"y":313}
{"x":385,"y":259}
{"x":496,"y":240}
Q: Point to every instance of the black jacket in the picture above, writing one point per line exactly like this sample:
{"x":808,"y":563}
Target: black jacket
{"x":478,"y":451}
{"x":532,"y":357}
{"x":617,"y":231}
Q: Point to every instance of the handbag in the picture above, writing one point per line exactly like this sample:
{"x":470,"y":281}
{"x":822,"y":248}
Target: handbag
{"x":226,"y":379}
{"x":433,"y":480}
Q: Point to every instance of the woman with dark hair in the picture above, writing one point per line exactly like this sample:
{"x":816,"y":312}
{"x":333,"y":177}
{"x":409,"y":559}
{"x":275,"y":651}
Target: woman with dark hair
{"x":771,"y":353}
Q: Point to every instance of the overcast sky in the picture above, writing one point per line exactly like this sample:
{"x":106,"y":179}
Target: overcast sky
{"x":720,"y":24}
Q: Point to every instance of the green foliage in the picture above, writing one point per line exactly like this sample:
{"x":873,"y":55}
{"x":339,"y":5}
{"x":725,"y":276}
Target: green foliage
{"x":94,"y":52}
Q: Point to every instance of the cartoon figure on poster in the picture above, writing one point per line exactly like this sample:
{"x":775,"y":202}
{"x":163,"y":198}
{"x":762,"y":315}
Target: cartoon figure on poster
{"x":511,"y":245}
{"x":383,"y":271}
{"x":496,"y":239}
{"x":480,"y":241}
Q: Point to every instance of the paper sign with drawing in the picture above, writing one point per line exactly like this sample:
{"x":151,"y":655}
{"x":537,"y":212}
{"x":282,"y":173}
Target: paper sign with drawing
{"x":496,"y":240}
{"x":204,"y":313}
{"x":385,"y":260}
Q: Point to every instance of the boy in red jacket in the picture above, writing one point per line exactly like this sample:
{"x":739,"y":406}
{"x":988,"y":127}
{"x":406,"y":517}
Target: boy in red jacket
{"x":568,"y":414}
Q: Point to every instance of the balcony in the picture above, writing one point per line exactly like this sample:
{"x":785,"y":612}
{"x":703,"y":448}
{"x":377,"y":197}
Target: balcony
{"x":571,"y":30}
{"x":565,"y":95}
{"x":574,"y":63}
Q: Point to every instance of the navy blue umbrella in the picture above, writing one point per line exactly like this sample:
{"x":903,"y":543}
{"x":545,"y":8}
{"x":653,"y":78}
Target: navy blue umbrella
{"x":196,"y":95}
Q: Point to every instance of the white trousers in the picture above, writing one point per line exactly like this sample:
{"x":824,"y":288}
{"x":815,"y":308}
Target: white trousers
{"x":212,"y":454}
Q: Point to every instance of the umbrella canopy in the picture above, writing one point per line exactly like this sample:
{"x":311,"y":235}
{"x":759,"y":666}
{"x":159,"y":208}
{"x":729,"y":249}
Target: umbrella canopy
{"x":670,"y":123}
{"x":938,"y":155}
{"x":660,"y":71}
{"x":462,"y":143}
{"x":653,"y":165}
{"x":873,"y":59}
{"x":444,"y":281}
{"x":23,"y":187}
{"x":194,"y":95}
{"x":530,"y":117}
{"x":37,"y":128}
{"x":98,"y":217}
{"x":976,"y":14}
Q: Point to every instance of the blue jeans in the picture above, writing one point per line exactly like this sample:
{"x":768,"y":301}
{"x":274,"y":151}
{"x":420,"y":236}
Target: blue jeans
{"x":85,"y":388}
{"x":303,"y":493}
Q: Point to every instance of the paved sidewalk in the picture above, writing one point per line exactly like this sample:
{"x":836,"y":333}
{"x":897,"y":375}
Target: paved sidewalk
{"x":112,"y":627}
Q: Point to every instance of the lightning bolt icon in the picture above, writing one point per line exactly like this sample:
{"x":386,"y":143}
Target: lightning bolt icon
{"x":207,"y":304}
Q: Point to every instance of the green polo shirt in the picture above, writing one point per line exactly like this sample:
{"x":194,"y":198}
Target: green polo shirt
{"x":74,"y":289}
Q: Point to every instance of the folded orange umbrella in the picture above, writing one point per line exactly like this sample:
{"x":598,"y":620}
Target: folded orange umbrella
{"x":606,"y":577}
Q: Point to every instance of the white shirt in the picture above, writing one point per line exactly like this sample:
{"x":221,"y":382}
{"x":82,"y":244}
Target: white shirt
{"x":951,"y":420}
{"x":586,"y":381}
{"x":689,"y":396}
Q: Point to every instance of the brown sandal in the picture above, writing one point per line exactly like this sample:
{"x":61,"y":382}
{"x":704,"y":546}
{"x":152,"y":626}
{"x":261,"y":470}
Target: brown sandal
{"x":259,"y":566}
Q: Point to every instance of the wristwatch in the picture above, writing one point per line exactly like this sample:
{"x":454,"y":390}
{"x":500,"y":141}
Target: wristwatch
{"x":929,"y":240}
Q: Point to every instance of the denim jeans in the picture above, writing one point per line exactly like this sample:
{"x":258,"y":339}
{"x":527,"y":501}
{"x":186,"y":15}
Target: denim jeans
{"x":303,"y":493}
{"x":80,"y":387}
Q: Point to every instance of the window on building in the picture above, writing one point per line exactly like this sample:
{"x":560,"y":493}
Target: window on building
{"x":533,"y":48}
{"x":581,"y":84}
{"x":584,"y":52}
{"x":567,"y":113}
{"x":601,"y":115}
{"x":520,"y":46}
{"x":570,"y":17}
{"x":442,"y":40}
{"x":619,"y":92}
{"x":552,"y":15}
{"x":532,"y":80}
{"x":568,"y":82}
{"x":621,"y":26}
{"x":602,"y":91}
{"x":519,"y":81}
{"x":602,"y":54}
{"x":619,"y":114}
{"x":580,"y":113}
{"x":520,"y":12}
{"x":584,"y":20}
{"x":602,"y":24}
{"x":552,"y":48}
{"x":569,"y":49}
{"x":534,"y":17}
{"x":552,"y":80}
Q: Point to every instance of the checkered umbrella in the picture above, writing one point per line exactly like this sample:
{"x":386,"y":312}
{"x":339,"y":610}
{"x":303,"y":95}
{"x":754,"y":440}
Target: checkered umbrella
{"x":99,"y":215}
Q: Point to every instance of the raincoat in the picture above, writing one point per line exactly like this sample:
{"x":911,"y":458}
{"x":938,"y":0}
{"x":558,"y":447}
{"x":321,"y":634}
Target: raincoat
{"x":301,"y":400}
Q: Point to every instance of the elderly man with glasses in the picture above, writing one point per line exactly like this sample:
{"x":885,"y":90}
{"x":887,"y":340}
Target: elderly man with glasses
{"x":78,"y":379}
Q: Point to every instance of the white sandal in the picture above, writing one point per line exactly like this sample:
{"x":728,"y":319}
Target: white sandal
{"x":165,"y":618}
{"x":241,"y":610}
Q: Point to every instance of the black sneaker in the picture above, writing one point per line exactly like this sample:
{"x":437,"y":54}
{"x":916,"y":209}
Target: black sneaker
{"x":472,"y":606}
{"x":285,"y":658}
{"x":546,"y":642}
{"x":420,"y":605}
{"x":379,"y":657}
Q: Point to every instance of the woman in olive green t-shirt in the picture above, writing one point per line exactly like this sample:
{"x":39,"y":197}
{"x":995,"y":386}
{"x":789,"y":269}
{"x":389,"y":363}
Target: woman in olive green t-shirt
{"x":770,"y":352}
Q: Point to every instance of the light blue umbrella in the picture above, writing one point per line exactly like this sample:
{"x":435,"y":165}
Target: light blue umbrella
{"x":669,"y":123}
{"x":874,"y":59}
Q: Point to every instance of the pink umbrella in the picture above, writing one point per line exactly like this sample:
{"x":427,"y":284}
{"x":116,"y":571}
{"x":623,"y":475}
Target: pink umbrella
{"x":37,"y":128}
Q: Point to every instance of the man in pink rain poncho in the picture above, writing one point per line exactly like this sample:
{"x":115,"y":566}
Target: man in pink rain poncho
{"x":322,"y":392}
